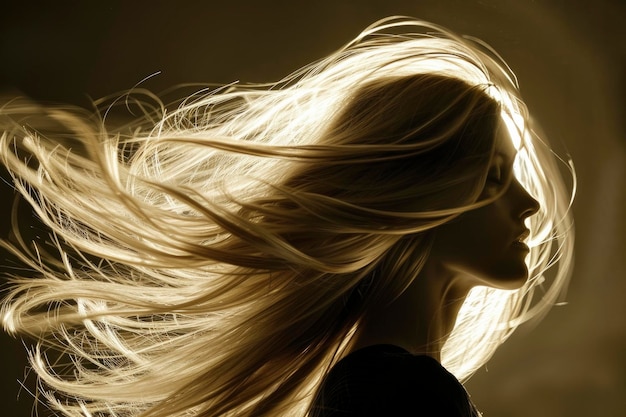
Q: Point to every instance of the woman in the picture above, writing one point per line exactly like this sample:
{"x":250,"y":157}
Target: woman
{"x":304,"y":248}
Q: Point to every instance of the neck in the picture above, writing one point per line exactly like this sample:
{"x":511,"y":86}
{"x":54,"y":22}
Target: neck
{"x":420,"y":319}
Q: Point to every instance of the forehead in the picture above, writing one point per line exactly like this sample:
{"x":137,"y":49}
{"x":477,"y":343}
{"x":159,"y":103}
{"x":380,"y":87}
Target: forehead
{"x":504,"y":145}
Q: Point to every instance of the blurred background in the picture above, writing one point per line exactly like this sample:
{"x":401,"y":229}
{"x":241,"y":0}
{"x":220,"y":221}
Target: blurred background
{"x":569,"y":55}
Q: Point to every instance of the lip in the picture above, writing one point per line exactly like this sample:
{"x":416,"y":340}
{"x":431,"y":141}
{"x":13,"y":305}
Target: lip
{"x":520,"y":242}
{"x":521,"y":246}
{"x":522,"y":237}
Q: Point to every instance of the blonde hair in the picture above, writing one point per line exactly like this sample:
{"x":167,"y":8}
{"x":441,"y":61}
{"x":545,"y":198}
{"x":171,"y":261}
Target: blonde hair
{"x":215,"y":259}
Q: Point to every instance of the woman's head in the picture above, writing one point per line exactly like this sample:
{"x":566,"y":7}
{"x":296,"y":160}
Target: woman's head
{"x":486,"y":246}
{"x":261,"y":223}
{"x":391,"y":138}
{"x":411,"y":154}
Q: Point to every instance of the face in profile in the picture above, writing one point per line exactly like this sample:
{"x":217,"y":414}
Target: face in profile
{"x":486,"y":246}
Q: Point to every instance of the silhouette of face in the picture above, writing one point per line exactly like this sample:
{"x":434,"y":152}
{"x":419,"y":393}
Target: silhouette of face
{"x":484,"y":246}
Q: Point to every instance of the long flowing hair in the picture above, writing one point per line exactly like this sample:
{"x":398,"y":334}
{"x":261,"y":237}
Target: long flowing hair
{"x":214,"y":259}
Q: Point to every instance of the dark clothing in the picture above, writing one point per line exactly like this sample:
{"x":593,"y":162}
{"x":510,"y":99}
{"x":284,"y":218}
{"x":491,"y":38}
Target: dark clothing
{"x":386,"y":380}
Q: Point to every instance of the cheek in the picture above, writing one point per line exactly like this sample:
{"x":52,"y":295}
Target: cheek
{"x":478,"y":245}
{"x":466,"y":240}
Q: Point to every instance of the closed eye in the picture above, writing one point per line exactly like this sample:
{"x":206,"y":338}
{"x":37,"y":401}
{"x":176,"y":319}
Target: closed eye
{"x":495,"y":175}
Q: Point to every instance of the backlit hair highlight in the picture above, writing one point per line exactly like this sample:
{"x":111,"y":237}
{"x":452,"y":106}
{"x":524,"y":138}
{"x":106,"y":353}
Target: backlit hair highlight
{"x":215,"y":258}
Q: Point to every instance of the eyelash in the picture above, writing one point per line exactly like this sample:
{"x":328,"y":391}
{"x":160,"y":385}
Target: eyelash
{"x":495,"y":175}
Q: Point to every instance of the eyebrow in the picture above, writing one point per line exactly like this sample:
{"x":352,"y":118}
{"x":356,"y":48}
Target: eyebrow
{"x":506,"y":157}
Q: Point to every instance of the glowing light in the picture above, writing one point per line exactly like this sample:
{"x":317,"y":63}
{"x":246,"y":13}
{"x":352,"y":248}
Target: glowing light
{"x":515,"y":126}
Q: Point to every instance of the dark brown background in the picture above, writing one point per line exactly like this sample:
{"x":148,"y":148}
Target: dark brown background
{"x":570,"y":57}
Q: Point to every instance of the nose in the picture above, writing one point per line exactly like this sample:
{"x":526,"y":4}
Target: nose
{"x":526,"y":203}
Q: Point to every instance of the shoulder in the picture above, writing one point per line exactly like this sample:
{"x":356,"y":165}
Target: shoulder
{"x":387,"y":380}
{"x":389,"y":364}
